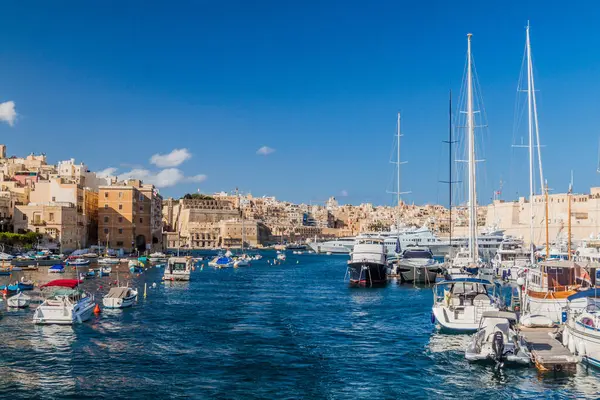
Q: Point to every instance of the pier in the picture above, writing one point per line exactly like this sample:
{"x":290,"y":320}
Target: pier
{"x":548,"y":354}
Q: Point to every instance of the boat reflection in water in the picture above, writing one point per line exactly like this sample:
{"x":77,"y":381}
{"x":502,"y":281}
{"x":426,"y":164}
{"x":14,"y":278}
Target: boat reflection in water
{"x":367,"y":264}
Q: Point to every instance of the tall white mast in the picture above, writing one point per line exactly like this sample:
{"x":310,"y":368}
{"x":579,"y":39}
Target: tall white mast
{"x":535,"y":116}
{"x":530,"y":127}
{"x":398,"y":180}
{"x":473,"y":248}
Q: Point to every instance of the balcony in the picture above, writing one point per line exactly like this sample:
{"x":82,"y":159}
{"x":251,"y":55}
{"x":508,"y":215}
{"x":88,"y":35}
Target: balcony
{"x":38,"y":222}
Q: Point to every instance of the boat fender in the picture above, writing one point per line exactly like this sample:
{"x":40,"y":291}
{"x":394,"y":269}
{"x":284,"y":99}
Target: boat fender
{"x":581,"y":348}
{"x":565,"y":338}
{"x":572,"y":348}
{"x":432,"y":318}
{"x":97,"y":309}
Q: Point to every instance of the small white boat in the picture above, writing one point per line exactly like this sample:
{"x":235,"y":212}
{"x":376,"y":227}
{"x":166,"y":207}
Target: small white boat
{"x":281,"y":256}
{"x":498,"y":340}
{"x":221,"y":262}
{"x":178,"y":269}
{"x":459,"y":304}
{"x":120,"y":297}
{"x":20,"y":300}
{"x":109,"y":261}
{"x":78,"y":262}
{"x":158,"y":257}
{"x":66,"y":305}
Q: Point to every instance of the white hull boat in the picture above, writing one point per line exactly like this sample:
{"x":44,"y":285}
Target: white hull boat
{"x":582,"y":329}
{"x":109,"y":261}
{"x":418,"y":265}
{"x":178,"y":269}
{"x":66,"y":306}
{"x":120,"y":297}
{"x":20,"y":300}
{"x":498,"y":340}
{"x":459,"y":304}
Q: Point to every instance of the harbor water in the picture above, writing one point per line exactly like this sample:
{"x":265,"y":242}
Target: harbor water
{"x":288,"y":331}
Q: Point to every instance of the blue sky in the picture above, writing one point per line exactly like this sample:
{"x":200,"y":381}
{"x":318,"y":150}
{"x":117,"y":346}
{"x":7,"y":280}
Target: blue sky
{"x":318,"y":82}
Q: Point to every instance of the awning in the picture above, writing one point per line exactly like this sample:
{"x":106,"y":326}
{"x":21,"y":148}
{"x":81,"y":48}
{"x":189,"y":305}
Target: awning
{"x":70,"y":283}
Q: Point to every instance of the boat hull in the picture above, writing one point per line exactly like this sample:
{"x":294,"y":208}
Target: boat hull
{"x":176,"y":277}
{"x":418,"y":273}
{"x":367,"y":274}
{"x":118,"y":303}
{"x":63,"y":316}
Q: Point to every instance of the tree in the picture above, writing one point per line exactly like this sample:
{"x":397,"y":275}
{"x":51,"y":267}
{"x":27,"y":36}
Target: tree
{"x":197,"y":196}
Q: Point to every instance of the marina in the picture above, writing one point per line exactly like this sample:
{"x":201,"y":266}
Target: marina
{"x":298,"y":320}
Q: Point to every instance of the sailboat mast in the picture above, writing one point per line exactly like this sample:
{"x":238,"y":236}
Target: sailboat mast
{"x":450,"y":167}
{"x":473,"y":249}
{"x":398,"y":181}
{"x":530,"y":126}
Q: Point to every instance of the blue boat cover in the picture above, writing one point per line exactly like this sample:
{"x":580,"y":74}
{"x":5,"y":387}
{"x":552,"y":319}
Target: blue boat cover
{"x":57,"y":266}
{"x":585,"y":293}
{"x":224,"y":260}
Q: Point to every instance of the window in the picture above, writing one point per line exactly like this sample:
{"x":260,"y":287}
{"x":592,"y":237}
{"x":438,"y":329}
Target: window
{"x":141,"y":197}
{"x":141,"y":220}
{"x":105,"y":206}
{"x":37,"y":230}
{"x":105,"y":219}
{"x":120,"y":219}
{"x":51,"y":217}
{"x":120,"y":194}
{"x":106,"y":231}
{"x":106,"y":195}
{"x":119,"y":243}
{"x":141,"y":208}
{"x":24,"y":217}
{"x":120,"y":206}
{"x":120,"y":231}
{"x":53,"y":198}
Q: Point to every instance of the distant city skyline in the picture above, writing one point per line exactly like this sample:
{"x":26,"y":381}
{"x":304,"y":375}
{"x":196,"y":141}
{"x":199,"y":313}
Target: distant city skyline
{"x":297,"y":101}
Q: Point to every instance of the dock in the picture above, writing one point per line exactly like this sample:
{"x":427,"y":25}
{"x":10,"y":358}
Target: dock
{"x":548,"y":354}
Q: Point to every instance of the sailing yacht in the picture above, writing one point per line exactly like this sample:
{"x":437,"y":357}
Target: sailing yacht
{"x":460,"y":303}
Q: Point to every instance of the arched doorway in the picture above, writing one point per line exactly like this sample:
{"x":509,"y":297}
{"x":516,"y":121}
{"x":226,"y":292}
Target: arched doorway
{"x":140,"y":243}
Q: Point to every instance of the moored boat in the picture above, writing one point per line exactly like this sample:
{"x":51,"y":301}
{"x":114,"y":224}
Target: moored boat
{"x":20,"y":300}
{"x":498,"y":340}
{"x":68,"y":304}
{"x":56,"y":269}
{"x":417,"y":265}
{"x":368,"y":262}
{"x":120,"y":297}
{"x":178,"y":269}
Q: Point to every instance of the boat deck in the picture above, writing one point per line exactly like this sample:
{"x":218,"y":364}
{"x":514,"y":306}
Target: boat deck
{"x":549,"y":355}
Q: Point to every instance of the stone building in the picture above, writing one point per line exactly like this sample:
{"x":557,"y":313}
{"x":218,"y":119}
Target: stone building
{"x":57,"y":222}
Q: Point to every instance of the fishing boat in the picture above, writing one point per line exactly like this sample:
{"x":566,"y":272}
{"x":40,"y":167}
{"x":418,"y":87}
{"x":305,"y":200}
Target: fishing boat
{"x":221,"y":261}
{"x":135,"y":266}
{"x":459,"y":304}
{"x":158,"y":257}
{"x":56,"y":269}
{"x":67,"y":304}
{"x":20,"y":300}
{"x":498,"y":340}
{"x":104,"y":271}
{"x":77,"y":262}
{"x":368,"y":262}
{"x":18,"y":286}
{"x":417,"y":265}
{"x":547,"y":289}
{"x":120,"y":297}
{"x":178,"y":269}
{"x":108,"y":261}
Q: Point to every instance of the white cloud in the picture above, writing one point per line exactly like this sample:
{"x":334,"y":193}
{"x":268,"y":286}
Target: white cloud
{"x":107,"y":172}
{"x":196,"y":178}
{"x":265,"y":151}
{"x":8,"y":113}
{"x":344,"y":193}
{"x":173,"y":159}
{"x":167,"y":177}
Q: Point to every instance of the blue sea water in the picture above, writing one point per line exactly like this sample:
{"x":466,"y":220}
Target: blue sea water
{"x":290,"y":331}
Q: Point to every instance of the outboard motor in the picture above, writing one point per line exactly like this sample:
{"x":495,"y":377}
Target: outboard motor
{"x":498,"y":346}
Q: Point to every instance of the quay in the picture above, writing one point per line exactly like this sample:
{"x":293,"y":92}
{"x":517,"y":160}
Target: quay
{"x":548,"y":354}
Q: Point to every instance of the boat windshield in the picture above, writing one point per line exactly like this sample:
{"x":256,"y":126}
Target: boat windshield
{"x":417,"y":254}
{"x":462,"y":291}
{"x":178,"y":266}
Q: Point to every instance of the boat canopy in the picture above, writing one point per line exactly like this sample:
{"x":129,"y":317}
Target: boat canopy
{"x":584,"y":294}
{"x":464,"y":280}
{"x":118,"y":292}
{"x":57,"y":266}
{"x":70,"y":283}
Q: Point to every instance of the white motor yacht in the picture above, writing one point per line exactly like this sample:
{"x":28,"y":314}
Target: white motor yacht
{"x":511,"y":260}
{"x":459,"y":304}
{"x":67,"y":304}
{"x":120,"y":297}
{"x":417,"y":265}
{"x":582,"y":329}
{"x":158,"y":257}
{"x":178,"y":269}
{"x":368,"y":262}
{"x":498,"y":340}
